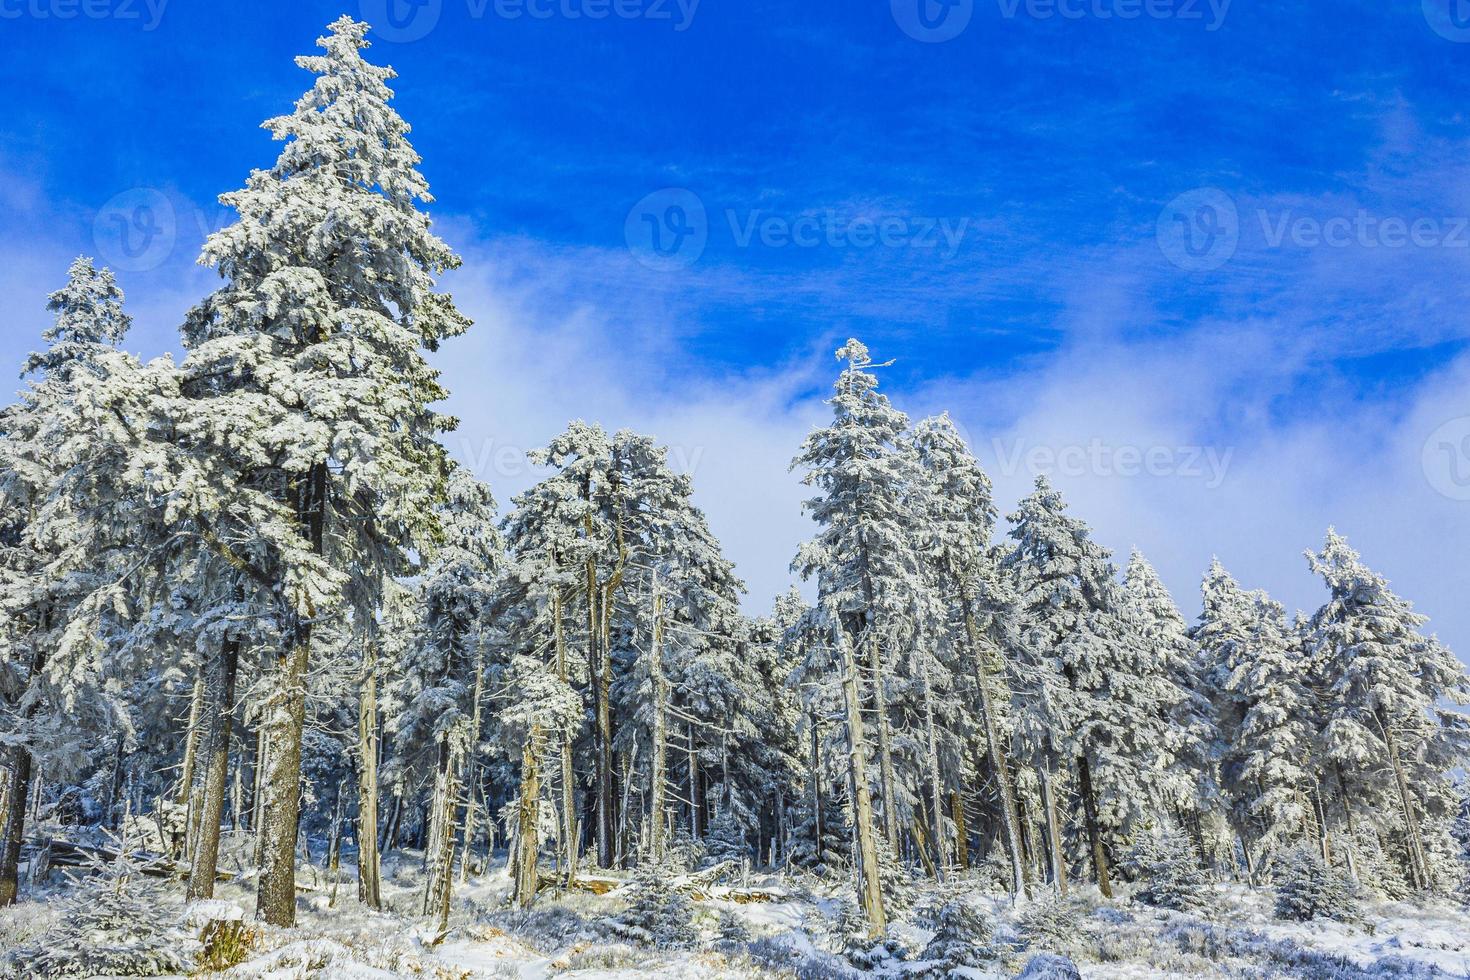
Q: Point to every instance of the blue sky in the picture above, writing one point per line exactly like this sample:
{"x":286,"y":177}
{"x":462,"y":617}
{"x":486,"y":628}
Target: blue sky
{"x":1229,"y":238}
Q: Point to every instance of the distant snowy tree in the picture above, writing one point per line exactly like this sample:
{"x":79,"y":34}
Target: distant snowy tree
{"x":1070,"y":664}
{"x":1264,"y":710}
{"x":1384,"y":682}
{"x":1168,"y":871}
{"x":63,"y":455}
{"x":1307,"y":888}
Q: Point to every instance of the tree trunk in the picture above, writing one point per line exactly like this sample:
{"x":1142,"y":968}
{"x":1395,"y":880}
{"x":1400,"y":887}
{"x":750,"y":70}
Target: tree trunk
{"x":660,"y":731}
{"x":885,"y":745}
{"x":191,"y":740}
{"x":257,"y":791}
{"x":527,"y":822}
{"x":369,"y":864}
{"x":1094,"y":830}
{"x":1418,"y":863}
{"x":19,"y":763}
{"x":440,"y":850}
{"x":1020,"y":880}
{"x":936,"y":805}
{"x":1054,"y":835}
{"x":217,"y":764}
{"x":603,"y":748}
{"x":870,"y":891}
{"x":275,"y":899}
{"x":472,"y":762}
{"x":568,"y":788}
{"x":961,"y":832}
{"x":816,"y":794}
{"x":275,"y":896}
{"x":693,"y":784}
{"x":1350,"y":846}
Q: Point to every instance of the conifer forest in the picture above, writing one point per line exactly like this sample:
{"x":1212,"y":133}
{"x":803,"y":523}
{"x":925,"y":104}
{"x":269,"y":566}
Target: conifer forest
{"x":288,"y":690}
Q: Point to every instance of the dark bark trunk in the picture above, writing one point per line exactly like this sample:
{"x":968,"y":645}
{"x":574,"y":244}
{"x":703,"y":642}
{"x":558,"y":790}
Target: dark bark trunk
{"x":19,"y":793}
{"x":217,"y":765}
{"x":275,"y":900}
{"x":1094,"y":830}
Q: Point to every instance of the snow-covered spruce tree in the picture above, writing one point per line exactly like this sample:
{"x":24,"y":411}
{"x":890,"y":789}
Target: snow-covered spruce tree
{"x":1075,"y":689}
{"x":1308,"y":888}
{"x":1383,"y":682}
{"x":1263,"y":714}
{"x":1171,"y":668}
{"x":432,"y":695}
{"x":116,"y":922}
{"x":568,"y":518}
{"x":687,"y":601}
{"x":57,"y":442}
{"x":726,"y":840}
{"x":960,"y":518}
{"x":1167,"y":868}
{"x":658,"y":915}
{"x":866,"y":559}
{"x":314,"y":349}
{"x":963,"y":938}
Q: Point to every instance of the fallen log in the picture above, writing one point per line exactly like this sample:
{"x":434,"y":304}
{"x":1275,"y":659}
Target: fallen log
{"x":582,"y":883}
{"x":69,"y":854}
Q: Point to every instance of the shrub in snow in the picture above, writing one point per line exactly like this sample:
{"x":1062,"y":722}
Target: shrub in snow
{"x":549,"y":927}
{"x":1052,"y":921}
{"x":1169,"y":873}
{"x":657,"y":915}
{"x":864,"y":952}
{"x":116,"y":923}
{"x":1307,"y":888}
{"x":733,"y":930}
{"x":1049,"y":966}
{"x":962,"y":938}
{"x":778,"y":954}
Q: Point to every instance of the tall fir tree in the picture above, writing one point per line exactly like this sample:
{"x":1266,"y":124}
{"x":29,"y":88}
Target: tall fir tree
{"x":309,"y":366}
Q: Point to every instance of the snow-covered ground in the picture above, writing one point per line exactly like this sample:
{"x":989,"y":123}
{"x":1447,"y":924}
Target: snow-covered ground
{"x":798,"y":934}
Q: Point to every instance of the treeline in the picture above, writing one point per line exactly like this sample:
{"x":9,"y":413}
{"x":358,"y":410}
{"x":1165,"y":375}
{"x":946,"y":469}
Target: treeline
{"x":249,"y":590}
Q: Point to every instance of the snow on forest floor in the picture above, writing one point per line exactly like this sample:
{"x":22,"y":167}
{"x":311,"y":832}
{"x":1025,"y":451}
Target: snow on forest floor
{"x":567,"y":936}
